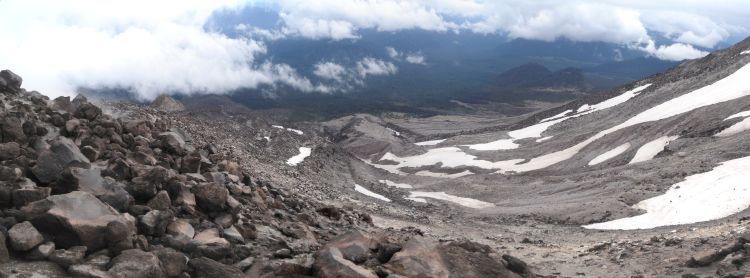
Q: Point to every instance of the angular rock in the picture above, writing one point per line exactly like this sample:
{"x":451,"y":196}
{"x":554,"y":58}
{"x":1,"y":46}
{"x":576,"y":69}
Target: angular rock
{"x":9,"y":151}
{"x":136,"y":263}
{"x":155,"y":222}
{"x":233,"y":235}
{"x":41,"y":252}
{"x":75,"y":218}
{"x":330,"y":263}
{"x":11,"y":130}
{"x":10,"y":81}
{"x":181,"y":227}
{"x":210,"y":237}
{"x":68,"y":257}
{"x":51,"y":163}
{"x":28,"y":194}
{"x":90,"y":152}
{"x":160,"y":202}
{"x":354,"y":246}
{"x":211,"y":196}
{"x":87,"y":111}
{"x":208,"y":268}
{"x":173,"y":262}
{"x":23,"y":236}
{"x":87,"y":271}
{"x":34,"y":269}
{"x":172,"y":142}
{"x":4,"y":254}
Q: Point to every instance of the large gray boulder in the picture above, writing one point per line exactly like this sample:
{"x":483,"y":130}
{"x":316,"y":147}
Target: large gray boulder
{"x":10,"y":81}
{"x":75,"y":218}
{"x":62,"y":153}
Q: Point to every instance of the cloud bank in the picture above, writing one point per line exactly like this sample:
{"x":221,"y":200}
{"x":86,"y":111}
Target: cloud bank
{"x":146,"y":46}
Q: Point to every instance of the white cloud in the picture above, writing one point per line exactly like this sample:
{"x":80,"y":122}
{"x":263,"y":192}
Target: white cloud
{"x":416,"y":58}
{"x":150,"y":47}
{"x":331,"y":71}
{"x":372,"y":66}
{"x":413,"y":58}
{"x":673,"y":52}
{"x":393,"y":53}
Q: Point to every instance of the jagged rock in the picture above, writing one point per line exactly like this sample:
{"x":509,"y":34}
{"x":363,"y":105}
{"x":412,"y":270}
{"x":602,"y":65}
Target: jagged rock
{"x":10,"y":173}
{"x":4,"y":254}
{"x":41,"y":252}
{"x":68,"y":257}
{"x":208,"y":268}
{"x":210,"y":237}
{"x":51,"y":163}
{"x":23,"y":236}
{"x":10,"y":81}
{"x":9,"y":150}
{"x":11,"y":129}
{"x":160,"y":202}
{"x":181,"y":227}
{"x":75,"y":218}
{"x":167,"y":103}
{"x":90,"y":152}
{"x":87,"y":111}
{"x":87,"y":271}
{"x":173,"y":262}
{"x":211,"y":196}
{"x":71,"y":125}
{"x":386,"y":251}
{"x":191,"y":163}
{"x":29,"y":193}
{"x":136,"y":263}
{"x":233,"y":235}
{"x":329,"y":262}
{"x":155,"y":222}
{"x":354,"y":246}
{"x":62,"y":103}
{"x":172,"y":142}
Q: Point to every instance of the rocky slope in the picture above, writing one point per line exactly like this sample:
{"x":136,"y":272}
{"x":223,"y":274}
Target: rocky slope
{"x":149,"y":193}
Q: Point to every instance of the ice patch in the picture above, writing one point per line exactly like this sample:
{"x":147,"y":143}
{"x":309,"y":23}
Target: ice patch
{"x":304,"y":152}
{"x":503,"y":144}
{"x":718,"y":193}
{"x":289,"y":129}
{"x":396,"y":185}
{"x":649,"y":150}
{"x":466,"y":202}
{"x":745,"y":52}
{"x":443,"y":175}
{"x":430,"y":143}
{"x":610,"y":154}
{"x":735,"y":128}
{"x":364,"y":191}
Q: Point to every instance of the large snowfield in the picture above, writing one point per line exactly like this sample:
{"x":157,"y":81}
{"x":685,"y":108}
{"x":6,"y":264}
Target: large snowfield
{"x":718,"y":193}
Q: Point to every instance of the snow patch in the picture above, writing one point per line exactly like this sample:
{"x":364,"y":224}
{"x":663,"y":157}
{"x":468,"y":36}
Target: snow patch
{"x":466,"y":202}
{"x":610,"y":154}
{"x":304,"y":152}
{"x":743,"y":114}
{"x":299,"y":132}
{"x":443,"y":175}
{"x":535,"y":131}
{"x":735,"y":128}
{"x":430,"y":143}
{"x":420,"y":200}
{"x":718,"y":193}
{"x":396,"y":185}
{"x":543,"y":139}
{"x":366,"y":192}
{"x":745,"y":52}
{"x":268,"y":138}
{"x":649,"y":150}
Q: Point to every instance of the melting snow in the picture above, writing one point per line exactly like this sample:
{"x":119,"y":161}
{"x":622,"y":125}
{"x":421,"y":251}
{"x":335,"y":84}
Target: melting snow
{"x":535,"y":131}
{"x":304,"y":152}
{"x":735,"y":128}
{"x":364,"y":191}
{"x":610,"y":154}
{"x":743,"y":114}
{"x":289,"y":129}
{"x":443,"y":175}
{"x":396,"y":185}
{"x":718,"y":193}
{"x":543,"y":139}
{"x":430,"y":143}
{"x":649,"y":150}
{"x":467,"y":202}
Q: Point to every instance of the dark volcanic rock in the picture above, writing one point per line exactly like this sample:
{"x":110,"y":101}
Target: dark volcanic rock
{"x":76,"y":218}
{"x":329,"y":262}
{"x":51,"y":163}
{"x":173,"y":262}
{"x":10,"y":81}
{"x":11,"y":129}
{"x":136,"y":263}
{"x":208,"y":268}
{"x":71,"y":256}
{"x":211,"y":196}
{"x":88,"y":111}
{"x":155,"y":222}
{"x":9,"y":151}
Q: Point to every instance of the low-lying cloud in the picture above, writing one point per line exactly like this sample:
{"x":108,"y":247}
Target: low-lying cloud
{"x":412,"y":57}
{"x":342,"y":78}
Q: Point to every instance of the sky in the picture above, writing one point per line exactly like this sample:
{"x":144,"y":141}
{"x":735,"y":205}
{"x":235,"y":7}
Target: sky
{"x":167,"y":46}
